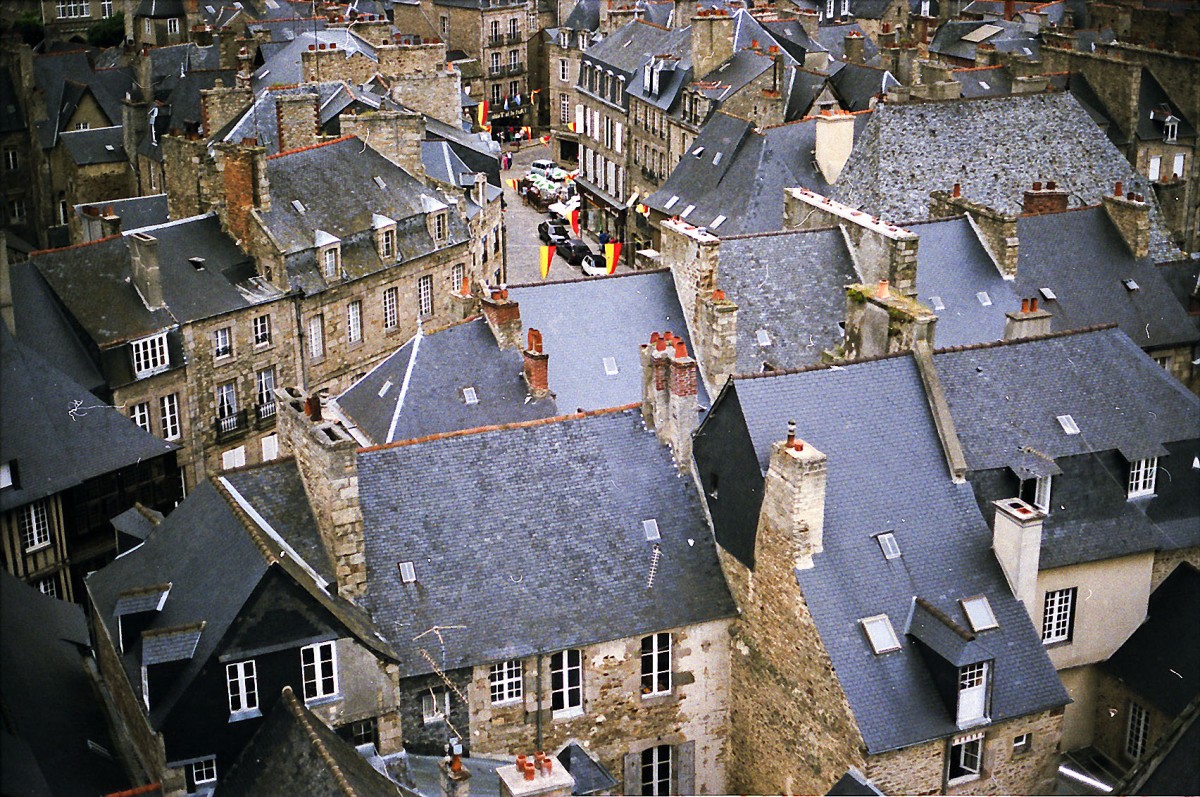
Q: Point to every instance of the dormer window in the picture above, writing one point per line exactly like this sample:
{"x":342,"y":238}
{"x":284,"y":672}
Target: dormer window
{"x":150,"y":355}
{"x":385,"y":237}
{"x":329,"y":254}
{"x":329,"y":262}
{"x":829,"y":4}
{"x":1170,"y":130}
{"x":1142,"y":475}
{"x":973,"y":693}
{"x":439,"y":227}
{"x":1036,"y":491}
{"x":845,"y":8}
{"x":924,"y":8}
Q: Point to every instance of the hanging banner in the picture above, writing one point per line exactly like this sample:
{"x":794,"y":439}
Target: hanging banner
{"x":575,"y":222}
{"x":482,"y":109}
{"x":511,"y":184}
{"x":546,"y":257}
{"x":612,"y":255}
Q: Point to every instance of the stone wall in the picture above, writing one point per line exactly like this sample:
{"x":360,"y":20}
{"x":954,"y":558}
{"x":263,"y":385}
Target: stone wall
{"x":396,"y":135}
{"x":1113,"y":701}
{"x":368,"y":688}
{"x":998,"y":230}
{"x":296,"y":119}
{"x":220,"y":105}
{"x":1165,"y":563}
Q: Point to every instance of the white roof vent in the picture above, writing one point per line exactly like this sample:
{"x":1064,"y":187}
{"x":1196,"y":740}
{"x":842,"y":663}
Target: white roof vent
{"x":671,"y":202}
{"x":763,"y":338}
{"x":717,"y":222}
{"x":470,"y":396}
{"x":299,"y":206}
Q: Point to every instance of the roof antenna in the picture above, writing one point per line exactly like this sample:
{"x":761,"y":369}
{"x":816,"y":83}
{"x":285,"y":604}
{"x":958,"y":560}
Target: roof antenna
{"x":654,"y":557}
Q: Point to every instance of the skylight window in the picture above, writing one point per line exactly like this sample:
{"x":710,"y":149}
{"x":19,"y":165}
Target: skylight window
{"x":984,"y":85}
{"x":610,"y":366}
{"x":299,"y":206}
{"x":698,"y":151}
{"x":650,"y":527}
{"x":686,"y":211}
{"x":979,"y":613}
{"x":763,"y":338}
{"x":470,"y":396}
{"x":671,"y":202}
{"x":1068,"y":424}
{"x":408,"y":573}
{"x":717,"y":222}
{"x":1130,"y":285}
{"x":889,"y":546}
{"x":379,"y":182}
{"x":984,"y":299}
{"x":1047,"y":294}
{"x":386,"y":387}
{"x":880,"y":633}
{"x":937,"y":302}
{"x":717,"y":158}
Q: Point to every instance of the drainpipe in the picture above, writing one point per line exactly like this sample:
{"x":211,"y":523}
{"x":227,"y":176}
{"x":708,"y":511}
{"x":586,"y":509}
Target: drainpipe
{"x":539,"y":708}
{"x":302,"y":334}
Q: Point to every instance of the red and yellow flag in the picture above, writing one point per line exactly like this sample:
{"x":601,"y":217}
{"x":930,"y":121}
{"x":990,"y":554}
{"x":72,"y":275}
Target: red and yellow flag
{"x":511,"y":184}
{"x":575,"y":221}
{"x":571,"y":127}
{"x":612,"y":255}
{"x":527,"y":133}
{"x":482,"y":110}
{"x":547,"y":256}
{"x":545,"y":139}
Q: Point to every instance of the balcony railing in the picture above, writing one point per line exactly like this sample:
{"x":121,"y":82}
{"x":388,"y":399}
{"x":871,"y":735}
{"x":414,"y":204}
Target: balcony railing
{"x":516,"y":69}
{"x":265,"y":414}
{"x":495,"y":41}
{"x":496,"y":71}
{"x":231,"y":425}
{"x":514,"y":37}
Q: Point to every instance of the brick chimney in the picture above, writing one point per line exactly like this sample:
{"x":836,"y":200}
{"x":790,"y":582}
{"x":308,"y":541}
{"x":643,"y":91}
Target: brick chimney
{"x":712,"y":40}
{"x":503,"y":317}
{"x":1028,"y":322}
{"x":463,"y":301}
{"x":1130,"y":214}
{"x":1017,"y":543}
{"x":1044,"y":198}
{"x":536,"y":370}
{"x":325,"y":452}
{"x":835,"y":140}
{"x":297,"y":119}
{"x":791,"y":523}
{"x":882,"y":321}
{"x":669,"y":394}
{"x":244,"y":167}
{"x":716,"y":338}
{"x":854,"y":47}
{"x":1010,"y":7}
{"x":143,"y":251}
{"x":541,"y":776}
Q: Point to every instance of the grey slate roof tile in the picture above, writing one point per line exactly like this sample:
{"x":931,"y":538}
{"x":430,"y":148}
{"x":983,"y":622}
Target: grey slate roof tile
{"x":167,"y":645}
{"x":995,"y":148}
{"x":63,"y":78}
{"x":43,"y":326}
{"x":134,"y":212}
{"x":447,"y":361}
{"x":541,"y":550}
{"x":857,"y":86}
{"x":95,"y":146}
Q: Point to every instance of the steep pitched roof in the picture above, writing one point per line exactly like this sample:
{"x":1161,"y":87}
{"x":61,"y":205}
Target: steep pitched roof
{"x":872,"y":421}
{"x":51,"y":712}
{"x":1154,"y":106}
{"x":419,"y":390}
{"x":96,"y":146}
{"x":47,"y":419}
{"x":282,"y":63}
{"x":63,"y":78}
{"x":295,"y":752}
{"x":628,"y":47}
{"x":584,"y":16}
{"x":134,"y":212}
{"x":994,"y":148}
{"x":44,"y":326}
{"x":857,"y":85}
{"x":585,"y":321}
{"x":572,"y":548}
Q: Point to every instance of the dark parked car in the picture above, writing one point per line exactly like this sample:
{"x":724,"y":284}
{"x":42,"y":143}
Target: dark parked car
{"x":573,"y":250}
{"x":553,"y":232}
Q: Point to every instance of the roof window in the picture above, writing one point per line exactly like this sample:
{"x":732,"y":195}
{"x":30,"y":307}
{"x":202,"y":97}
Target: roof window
{"x":717,"y":158}
{"x":610,"y":366}
{"x":650,"y":527}
{"x":698,"y":151}
{"x":408,"y":573}
{"x":386,"y":387}
{"x":763,"y":337}
{"x":671,"y":202}
{"x":8,"y":473}
{"x":937,"y":302}
{"x":1130,"y":285}
{"x":889,"y":546}
{"x":979,"y":613}
{"x":1047,"y":294}
{"x":1068,"y":424}
{"x":880,"y":633}
{"x":299,"y":206}
{"x":984,"y":299}
{"x":717,"y":222}
{"x":470,"y":396}
{"x":379,"y":182}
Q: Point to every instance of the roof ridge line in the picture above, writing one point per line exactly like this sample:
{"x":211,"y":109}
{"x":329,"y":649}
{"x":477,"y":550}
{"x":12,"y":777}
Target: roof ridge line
{"x":294,"y":707}
{"x":252,"y":530}
{"x":574,"y":280}
{"x":318,"y":145}
{"x":175,"y":629}
{"x":944,"y":618}
{"x":1062,"y":333}
{"x":775,"y":233}
{"x":500,"y":427}
{"x":74,"y":246}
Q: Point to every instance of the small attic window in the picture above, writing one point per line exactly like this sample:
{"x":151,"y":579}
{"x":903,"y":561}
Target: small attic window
{"x":610,"y":366}
{"x":763,"y":337}
{"x":386,"y":387}
{"x":671,"y":202}
{"x":379,"y":182}
{"x":880,"y":633}
{"x":717,"y":222}
{"x":7,"y":471}
{"x":717,"y":158}
{"x":299,"y":206}
{"x":470,"y":396}
{"x":889,"y":546}
{"x":686,"y":211}
{"x":650,"y":527}
{"x":1047,"y":294}
{"x":937,"y":302}
{"x":1130,"y":285}
{"x":110,"y":148}
{"x":698,"y":151}
{"x":979,"y":613}
{"x":1170,"y":131}
{"x":197,"y":263}
{"x":984,"y":299}
{"x":1068,"y":424}
{"x":408,"y":573}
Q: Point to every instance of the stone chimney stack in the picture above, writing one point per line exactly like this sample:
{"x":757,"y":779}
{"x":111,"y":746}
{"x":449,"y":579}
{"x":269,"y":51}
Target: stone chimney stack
{"x":455,"y":780}
{"x":503,"y":317}
{"x":999,"y":230}
{"x":146,"y":275}
{"x":1047,"y":198}
{"x":537,"y":366}
{"x":396,"y":135}
{"x":669,"y":394}
{"x":792,"y":518}
{"x":297,"y":119}
{"x":882,"y":321}
{"x":541,"y":776}
{"x":716,"y":338}
{"x":835,"y":140}
{"x":855,"y":47}
{"x":220,"y":104}
{"x":326,"y":456}
{"x":244,"y":167}
{"x":1017,"y":543}
{"x":712,"y":40}
{"x":1028,"y":322}
{"x":1130,"y":214}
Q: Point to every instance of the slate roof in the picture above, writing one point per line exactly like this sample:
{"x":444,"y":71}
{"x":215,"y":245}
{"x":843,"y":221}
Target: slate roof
{"x":259,"y":121}
{"x":791,"y":286}
{"x":833,"y":39}
{"x":599,"y":476}
{"x":747,"y":186}
{"x":1005,"y":399}
{"x":951,"y":40}
{"x":1082,"y":258}
{"x":282,"y":60}
{"x":629,"y":46}
{"x":856,"y":85}
{"x":51,"y":711}
{"x":590,"y":775}
{"x":418,"y":390}
{"x":584,"y":16}
{"x":733,"y":75}
{"x":134,"y":212}
{"x":872,"y":421}
{"x":96,"y":146}
{"x":995,"y":148}
{"x":47,"y":419}
{"x":584,"y":321}
{"x":160,"y":9}
{"x":1160,"y":662}
{"x":294,"y":752}
{"x":43,"y":325}
{"x":137,"y":521}
{"x":989,"y":81}
{"x":63,"y":79}
{"x":1153,"y":97}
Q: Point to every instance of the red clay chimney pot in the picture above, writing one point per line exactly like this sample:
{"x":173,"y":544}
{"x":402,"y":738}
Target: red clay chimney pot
{"x":957,"y":192}
{"x":1033,"y":305}
{"x":1024,"y":305}
{"x":680,"y":350}
{"x":1119,"y":188}
{"x":1037,"y":185}
{"x":881,"y":290}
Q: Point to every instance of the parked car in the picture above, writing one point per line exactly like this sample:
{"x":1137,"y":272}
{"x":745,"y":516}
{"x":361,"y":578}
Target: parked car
{"x":573,"y":250}
{"x":542,"y":168}
{"x":593,"y":265}
{"x":554,"y":233}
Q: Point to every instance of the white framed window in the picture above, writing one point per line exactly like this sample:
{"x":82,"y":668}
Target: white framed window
{"x":656,"y":664}
{"x":458,"y":273}
{"x":496,"y":86}
{"x":966,"y":758}
{"x":1136,"y":730}
{"x":495,"y":59}
{"x":566,"y":683}
{"x":319,"y":665}
{"x":140,"y":413}
{"x":1177,"y":166}
{"x":106,"y":8}
{"x":35,"y":526}
{"x":168,"y":414}
{"x":264,"y":391}
{"x":435,"y":706}
{"x":387,"y":244}
{"x":444,"y":25}
{"x":656,"y":770}
{"x":17,"y":210}
{"x":203,"y":771}
{"x":222,"y":343}
{"x":514,"y":59}
{"x":7,"y":474}
{"x":1058,"y":615}
{"x":391,"y":314}
{"x":829,"y":4}
{"x":564,"y":70}
{"x":48,"y":586}
{"x":172,"y":25}
{"x":354,"y":321}
{"x":925,"y":8}
{"x":1022,"y":743}
{"x":1142,"y":475}
{"x":150,"y":355}
{"x":439,"y":227}
{"x":504,"y":681}
{"x":242,"y":683}
{"x":880,"y":633}
{"x":845,"y":7}
{"x":887,"y":544}
{"x":972,"y":693}
{"x":64,"y":211}
{"x":979,"y":613}
{"x":1155,"y":167}
{"x":564,"y":109}
{"x":12,"y":160}
{"x":425,"y":295}
{"x":72,"y":9}
{"x":1170,"y":131}
{"x":262,"y":330}
{"x":149,"y":27}
{"x":330,"y":259}
{"x":227,"y":403}
{"x":1036,"y":491}
{"x":316,"y":337}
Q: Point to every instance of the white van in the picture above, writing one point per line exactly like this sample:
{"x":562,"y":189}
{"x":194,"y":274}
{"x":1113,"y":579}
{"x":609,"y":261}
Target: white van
{"x":543,"y":168}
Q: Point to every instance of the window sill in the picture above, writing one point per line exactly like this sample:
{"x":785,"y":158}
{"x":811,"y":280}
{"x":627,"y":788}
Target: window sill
{"x":39,"y":547}
{"x":568,"y":713}
{"x":224,"y":359}
{"x":1056,"y":643}
{"x":962,"y":780}
{"x":248,"y":714}
{"x":508,"y":702}
{"x":1140,"y":496}
{"x":323,"y":701}
{"x":658,"y":698}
